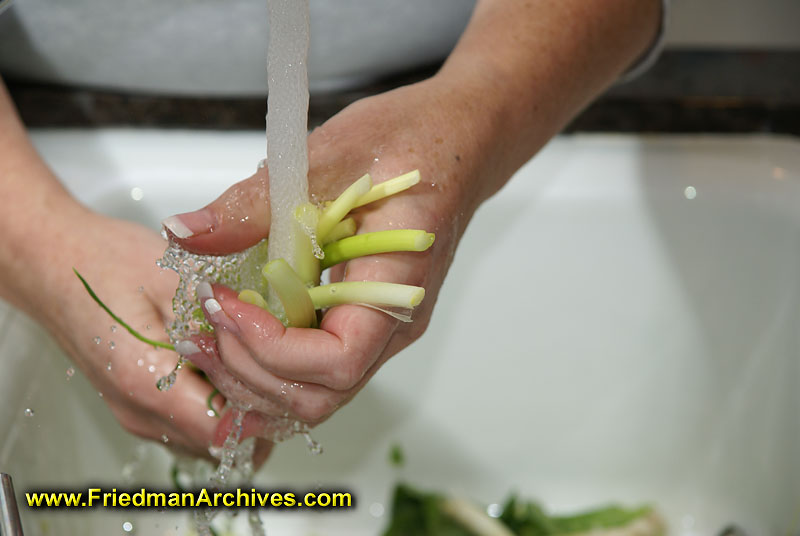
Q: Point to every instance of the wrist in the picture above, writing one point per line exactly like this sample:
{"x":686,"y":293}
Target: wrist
{"x":46,"y":232}
{"x":483,"y":128}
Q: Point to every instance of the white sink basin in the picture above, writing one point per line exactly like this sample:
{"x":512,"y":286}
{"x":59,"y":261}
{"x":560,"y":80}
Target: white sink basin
{"x":601,"y":337}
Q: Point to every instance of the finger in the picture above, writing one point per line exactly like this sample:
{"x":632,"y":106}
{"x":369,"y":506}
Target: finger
{"x":265,"y":428}
{"x":238,"y":219}
{"x":202,"y":352}
{"x":184,"y":419}
{"x":254,"y":424}
{"x":334,"y":357}
{"x":308,"y":402}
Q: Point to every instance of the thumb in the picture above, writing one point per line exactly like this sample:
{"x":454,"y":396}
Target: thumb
{"x":238,"y":219}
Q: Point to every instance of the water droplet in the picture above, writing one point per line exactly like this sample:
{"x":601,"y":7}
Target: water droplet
{"x":108,"y":366}
{"x":97,"y":340}
{"x":333,"y":290}
{"x":151,"y":368}
{"x":127,"y":526}
{"x":140,"y":362}
{"x":111,"y":345}
{"x":164,"y":438}
{"x":140,"y":290}
{"x":690,"y":192}
{"x":262,"y":163}
{"x":148,"y":327}
{"x":28,"y":412}
{"x":171,"y":417}
{"x":494,"y":510}
{"x":313,"y":446}
{"x":99,"y":394}
{"x":70,"y":372}
{"x":165,"y":382}
{"x":113,"y":328}
{"x":211,"y":413}
{"x":376,"y":509}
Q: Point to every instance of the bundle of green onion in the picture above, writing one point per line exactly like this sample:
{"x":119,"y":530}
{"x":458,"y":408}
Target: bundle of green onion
{"x":297,"y":289}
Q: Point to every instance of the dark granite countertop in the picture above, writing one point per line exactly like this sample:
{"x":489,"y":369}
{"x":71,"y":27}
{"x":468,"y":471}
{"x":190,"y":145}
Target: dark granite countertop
{"x":686,"y":91}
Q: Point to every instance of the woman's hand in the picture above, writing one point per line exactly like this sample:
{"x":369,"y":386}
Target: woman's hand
{"x":119,"y":260}
{"x":518,"y":74}
{"x":309,"y":373}
{"x":45,"y":234}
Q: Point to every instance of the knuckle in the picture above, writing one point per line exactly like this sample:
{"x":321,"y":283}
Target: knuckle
{"x":418,"y":328}
{"x":347,"y":373}
{"x":314,"y":409}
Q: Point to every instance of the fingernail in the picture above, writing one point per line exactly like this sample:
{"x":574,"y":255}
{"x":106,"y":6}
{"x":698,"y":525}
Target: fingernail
{"x":175,"y":226}
{"x":185,"y":348}
{"x":218,"y":316}
{"x":204,"y":291}
{"x":190,"y":224}
{"x":212,"y":306}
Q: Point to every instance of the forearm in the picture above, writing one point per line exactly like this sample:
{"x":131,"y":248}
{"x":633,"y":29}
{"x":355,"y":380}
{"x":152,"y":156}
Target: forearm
{"x":35,"y":218}
{"x":527,"y":67}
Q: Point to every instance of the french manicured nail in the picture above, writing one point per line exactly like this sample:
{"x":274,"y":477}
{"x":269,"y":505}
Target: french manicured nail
{"x":190,"y":224}
{"x":218,"y":316}
{"x":175,"y":226}
{"x":187,"y":347}
{"x":212,"y":306}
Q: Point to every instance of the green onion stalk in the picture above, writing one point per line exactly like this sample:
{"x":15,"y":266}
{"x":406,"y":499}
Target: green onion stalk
{"x":332,"y":239}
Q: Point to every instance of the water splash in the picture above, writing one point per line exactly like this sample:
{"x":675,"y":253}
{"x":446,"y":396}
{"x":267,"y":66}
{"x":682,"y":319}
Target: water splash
{"x":238,"y":271}
{"x":165,"y":383}
{"x":313,"y":445}
{"x":227,"y":456}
